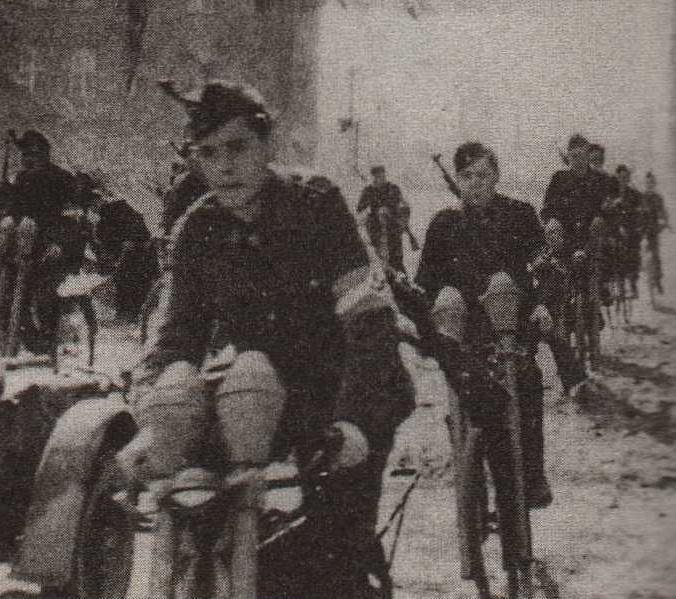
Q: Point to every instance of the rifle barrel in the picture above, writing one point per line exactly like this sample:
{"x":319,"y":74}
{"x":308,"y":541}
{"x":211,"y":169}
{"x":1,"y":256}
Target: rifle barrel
{"x":452,"y":185}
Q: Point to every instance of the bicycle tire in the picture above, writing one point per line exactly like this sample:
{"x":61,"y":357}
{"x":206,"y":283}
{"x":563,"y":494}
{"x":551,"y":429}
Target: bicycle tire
{"x":580,"y":328}
{"x":594,"y":333}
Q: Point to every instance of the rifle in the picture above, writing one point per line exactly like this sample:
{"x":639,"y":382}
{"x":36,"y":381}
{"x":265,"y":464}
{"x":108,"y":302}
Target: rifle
{"x":5,"y":185}
{"x":405,"y":216}
{"x":181,"y":151}
{"x":7,"y":231}
{"x":452,"y":185}
{"x":562,"y":155}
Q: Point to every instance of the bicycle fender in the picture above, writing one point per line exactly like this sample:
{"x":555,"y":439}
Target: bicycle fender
{"x":62,"y":484}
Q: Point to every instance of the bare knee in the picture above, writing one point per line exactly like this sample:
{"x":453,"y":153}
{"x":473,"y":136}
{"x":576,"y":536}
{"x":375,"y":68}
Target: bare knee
{"x":178,"y":374}
{"x":250,"y":402}
{"x":251,"y":370}
{"x":449,"y":313}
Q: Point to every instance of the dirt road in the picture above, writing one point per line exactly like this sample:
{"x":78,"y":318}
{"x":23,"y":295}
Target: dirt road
{"x":611,"y":532}
{"x":611,"y":459}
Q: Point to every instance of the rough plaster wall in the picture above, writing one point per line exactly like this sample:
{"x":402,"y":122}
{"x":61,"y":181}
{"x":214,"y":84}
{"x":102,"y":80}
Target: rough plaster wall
{"x":272,"y":48}
{"x":268,"y":44}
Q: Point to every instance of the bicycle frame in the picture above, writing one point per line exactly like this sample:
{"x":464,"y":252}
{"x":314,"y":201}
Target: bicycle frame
{"x":471,"y":445}
{"x":585,"y":302}
{"x":207,"y":519}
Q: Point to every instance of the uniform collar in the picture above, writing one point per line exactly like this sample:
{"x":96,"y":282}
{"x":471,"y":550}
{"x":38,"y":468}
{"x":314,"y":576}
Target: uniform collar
{"x":277,"y":212}
{"x":484,"y":211}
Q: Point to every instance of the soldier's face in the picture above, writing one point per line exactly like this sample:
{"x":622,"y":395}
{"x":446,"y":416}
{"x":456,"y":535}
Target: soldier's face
{"x":649,"y":184}
{"x":596,"y":160}
{"x":379,"y":178}
{"x":477,"y":182}
{"x":233,"y":161}
{"x":624,"y":177}
{"x":34,"y":161}
{"x":578,"y":158}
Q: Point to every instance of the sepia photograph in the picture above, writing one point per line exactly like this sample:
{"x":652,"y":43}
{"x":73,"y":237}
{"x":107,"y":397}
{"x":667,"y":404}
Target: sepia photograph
{"x":337,"y":299}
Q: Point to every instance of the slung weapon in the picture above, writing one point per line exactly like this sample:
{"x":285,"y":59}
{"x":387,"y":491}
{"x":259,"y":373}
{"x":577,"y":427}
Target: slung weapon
{"x":452,"y":185}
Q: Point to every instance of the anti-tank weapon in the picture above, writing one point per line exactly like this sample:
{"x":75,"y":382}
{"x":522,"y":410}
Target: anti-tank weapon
{"x":452,"y":185}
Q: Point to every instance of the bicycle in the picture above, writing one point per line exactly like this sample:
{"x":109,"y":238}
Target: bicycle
{"x":477,"y":439}
{"x":209,"y":537}
{"x":21,"y":310}
{"x":651,"y":268}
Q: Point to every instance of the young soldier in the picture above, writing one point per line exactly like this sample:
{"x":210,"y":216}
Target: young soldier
{"x":382,"y":202}
{"x":574,"y":197}
{"x":269,"y":280}
{"x":654,"y":219}
{"x":622,"y":216}
{"x":492,"y":240}
{"x":608,"y":189}
{"x":41,"y":191}
{"x":572,"y":214}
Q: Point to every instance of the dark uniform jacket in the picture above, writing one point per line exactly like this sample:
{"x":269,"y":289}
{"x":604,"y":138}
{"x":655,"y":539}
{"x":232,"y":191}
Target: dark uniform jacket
{"x":386,"y":196}
{"x":575,"y":200}
{"x":463,"y":248}
{"x":136,"y":266}
{"x":119,"y":223}
{"x":622,"y":215}
{"x":293,"y":286}
{"x":653,"y":214}
{"x":41,"y":196}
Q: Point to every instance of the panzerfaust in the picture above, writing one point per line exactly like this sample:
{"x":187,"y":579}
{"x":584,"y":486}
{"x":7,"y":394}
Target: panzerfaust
{"x":452,"y":185}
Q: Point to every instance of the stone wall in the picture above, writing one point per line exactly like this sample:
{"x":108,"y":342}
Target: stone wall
{"x":66,"y":70}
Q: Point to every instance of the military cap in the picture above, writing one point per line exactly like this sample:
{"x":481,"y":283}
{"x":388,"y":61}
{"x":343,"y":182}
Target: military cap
{"x":32,"y":141}
{"x":216,"y":103}
{"x":578,"y":141}
{"x":472,"y":151}
{"x":622,"y":168}
{"x":597,"y":148}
